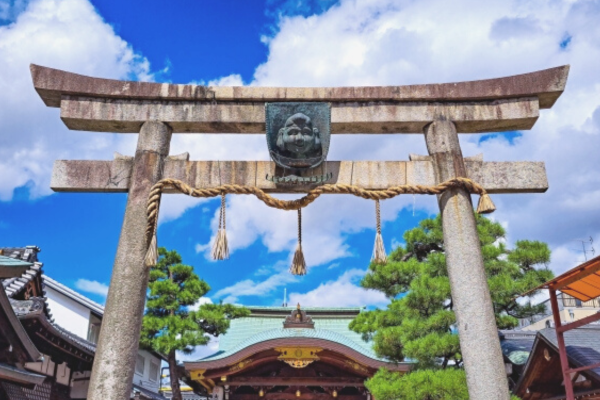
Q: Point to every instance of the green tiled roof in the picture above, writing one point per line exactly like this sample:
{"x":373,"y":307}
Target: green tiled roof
{"x":12,"y":267}
{"x":247,"y":331}
{"x":13,"y":262}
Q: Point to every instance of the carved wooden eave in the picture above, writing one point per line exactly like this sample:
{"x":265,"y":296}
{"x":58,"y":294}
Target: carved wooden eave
{"x":52,"y":339}
{"x":14,"y":335}
{"x":222,"y":366}
{"x":491,"y":105}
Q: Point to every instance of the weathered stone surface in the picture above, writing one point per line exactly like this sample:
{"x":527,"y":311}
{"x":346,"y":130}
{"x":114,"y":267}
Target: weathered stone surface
{"x":547,"y":85}
{"x":100,"y":176}
{"x":113,"y":176}
{"x":472,"y":303}
{"x":379,"y":174}
{"x":117,"y":349}
{"x":126,"y":116}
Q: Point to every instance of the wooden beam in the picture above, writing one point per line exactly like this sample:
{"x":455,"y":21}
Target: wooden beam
{"x":584,"y":368}
{"x":295,"y":381}
{"x":547,"y":85}
{"x":562,"y":350}
{"x":114,"y":176}
{"x":580,"y":322}
{"x":126,"y":116}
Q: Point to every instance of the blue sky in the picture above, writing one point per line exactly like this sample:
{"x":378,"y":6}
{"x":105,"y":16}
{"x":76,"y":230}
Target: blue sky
{"x":289,"y":43}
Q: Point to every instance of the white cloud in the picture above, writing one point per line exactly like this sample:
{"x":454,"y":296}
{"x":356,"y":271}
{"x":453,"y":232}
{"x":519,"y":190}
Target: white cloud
{"x":94,"y":287}
{"x":379,"y":42}
{"x":343,"y":292}
{"x":200,"y":352}
{"x":230,"y":80}
{"x":249,"y":287}
{"x":201,"y":248}
{"x":64,"y":34}
{"x":201,"y":301}
{"x":385,"y":42}
{"x":324,"y":225}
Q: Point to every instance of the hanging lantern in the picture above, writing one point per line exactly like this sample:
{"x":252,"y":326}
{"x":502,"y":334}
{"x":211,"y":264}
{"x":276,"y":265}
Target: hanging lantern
{"x":298,"y":394}
{"x":261,"y":393}
{"x":334,"y":394}
{"x":224,"y":378}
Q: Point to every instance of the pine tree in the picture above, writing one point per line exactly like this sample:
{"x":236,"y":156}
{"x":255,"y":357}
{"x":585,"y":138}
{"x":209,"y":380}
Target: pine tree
{"x":419,"y":322}
{"x":169,"y":325}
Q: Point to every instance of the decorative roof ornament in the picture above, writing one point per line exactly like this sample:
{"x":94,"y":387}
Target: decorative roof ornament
{"x":298,"y":357}
{"x":298,"y":319}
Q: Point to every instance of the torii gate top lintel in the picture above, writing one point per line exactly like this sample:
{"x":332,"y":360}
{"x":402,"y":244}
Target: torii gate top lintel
{"x":95,"y":104}
{"x":547,"y":85}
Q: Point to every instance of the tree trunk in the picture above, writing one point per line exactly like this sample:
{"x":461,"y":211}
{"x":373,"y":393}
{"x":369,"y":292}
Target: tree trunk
{"x":174,"y":374}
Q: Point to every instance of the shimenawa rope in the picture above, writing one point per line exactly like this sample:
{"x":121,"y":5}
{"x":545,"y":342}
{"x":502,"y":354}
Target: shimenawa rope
{"x":220,"y":250}
{"x":484,"y":206}
{"x":379,"y":254}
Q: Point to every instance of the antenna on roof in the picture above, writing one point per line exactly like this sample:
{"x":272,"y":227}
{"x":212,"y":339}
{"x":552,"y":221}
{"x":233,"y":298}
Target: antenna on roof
{"x":585,"y":250}
{"x":284,"y":298}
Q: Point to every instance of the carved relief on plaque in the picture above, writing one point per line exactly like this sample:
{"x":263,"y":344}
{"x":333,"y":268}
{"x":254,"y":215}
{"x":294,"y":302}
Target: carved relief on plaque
{"x":298,"y":139}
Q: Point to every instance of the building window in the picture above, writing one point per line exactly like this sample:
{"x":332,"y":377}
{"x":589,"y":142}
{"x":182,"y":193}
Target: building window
{"x":572,"y":315}
{"x":140,"y":364}
{"x":154,"y":371}
{"x":548,"y":324}
{"x":94,"y":328}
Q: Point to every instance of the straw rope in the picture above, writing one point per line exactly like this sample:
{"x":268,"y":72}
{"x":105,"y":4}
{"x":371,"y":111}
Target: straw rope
{"x":485,"y":203}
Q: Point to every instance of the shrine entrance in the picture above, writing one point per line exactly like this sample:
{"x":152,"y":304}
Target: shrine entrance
{"x":276,"y":354}
{"x":297,"y":123}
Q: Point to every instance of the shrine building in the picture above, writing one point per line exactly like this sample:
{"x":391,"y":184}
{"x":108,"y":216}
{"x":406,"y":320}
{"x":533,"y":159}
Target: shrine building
{"x":289,"y":353}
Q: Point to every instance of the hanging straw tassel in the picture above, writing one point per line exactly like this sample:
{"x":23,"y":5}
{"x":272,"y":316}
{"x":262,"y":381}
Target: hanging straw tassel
{"x":298,"y":263}
{"x":485,"y":205}
{"x":220,"y":250}
{"x":152,"y":254}
{"x":378,"y":250}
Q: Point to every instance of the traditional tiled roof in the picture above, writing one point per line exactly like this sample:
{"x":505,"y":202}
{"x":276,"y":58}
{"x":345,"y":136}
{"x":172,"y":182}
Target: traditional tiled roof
{"x":516,"y":345}
{"x":582,"y":344}
{"x":282,"y":333}
{"x":325,"y":319}
{"x":13,"y":332}
{"x":12,"y":267}
{"x":33,"y":308}
{"x":266,"y":323}
{"x":145,"y":393}
{"x":13,"y":262}
{"x":20,"y":375}
{"x":14,"y":286}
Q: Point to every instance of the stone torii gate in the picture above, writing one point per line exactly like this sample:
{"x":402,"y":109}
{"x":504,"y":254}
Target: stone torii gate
{"x":439,"y":111}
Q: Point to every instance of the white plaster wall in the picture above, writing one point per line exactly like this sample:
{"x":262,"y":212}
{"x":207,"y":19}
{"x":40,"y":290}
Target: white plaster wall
{"x":81,"y":383}
{"x":67,"y":313}
{"x":47,"y":367}
{"x":565,"y":318}
{"x":144,"y":379}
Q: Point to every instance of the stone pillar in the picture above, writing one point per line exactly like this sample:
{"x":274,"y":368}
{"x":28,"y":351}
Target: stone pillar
{"x":116,"y":354}
{"x":479,"y":342}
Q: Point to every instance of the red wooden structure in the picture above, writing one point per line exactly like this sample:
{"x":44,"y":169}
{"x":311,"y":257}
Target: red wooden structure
{"x":583,"y":283}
